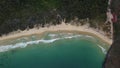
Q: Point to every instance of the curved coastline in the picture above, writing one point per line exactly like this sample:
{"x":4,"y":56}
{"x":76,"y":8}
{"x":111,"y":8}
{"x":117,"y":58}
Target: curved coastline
{"x":58,"y":28}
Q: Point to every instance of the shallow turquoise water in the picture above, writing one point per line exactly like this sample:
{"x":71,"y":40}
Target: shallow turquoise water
{"x":70,"y":52}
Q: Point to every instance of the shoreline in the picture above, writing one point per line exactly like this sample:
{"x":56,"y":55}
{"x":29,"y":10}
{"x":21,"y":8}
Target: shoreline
{"x":58,"y":28}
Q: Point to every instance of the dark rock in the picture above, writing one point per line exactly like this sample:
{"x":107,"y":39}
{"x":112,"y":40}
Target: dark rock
{"x":113,"y":57}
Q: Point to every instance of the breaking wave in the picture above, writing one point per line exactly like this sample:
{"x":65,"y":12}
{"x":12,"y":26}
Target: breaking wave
{"x":24,"y":44}
{"x":4,"y":48}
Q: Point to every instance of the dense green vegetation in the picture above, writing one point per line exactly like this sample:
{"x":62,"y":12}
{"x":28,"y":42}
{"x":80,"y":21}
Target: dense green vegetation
{"x":20,"y":14}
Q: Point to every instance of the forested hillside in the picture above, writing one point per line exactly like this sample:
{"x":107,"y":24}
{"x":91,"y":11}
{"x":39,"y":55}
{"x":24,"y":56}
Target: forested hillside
{"x":22,"y":14}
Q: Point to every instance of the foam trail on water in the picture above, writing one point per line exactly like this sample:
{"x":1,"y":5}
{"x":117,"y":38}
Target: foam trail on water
{"x":52,"y":35}
{"x":5,"y":48}
{"x":69,"y":37}
{"x":103,"y":49}
{"x":24,"y":44}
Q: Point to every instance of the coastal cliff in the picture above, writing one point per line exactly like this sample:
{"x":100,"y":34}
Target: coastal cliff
{"x":113,"y":56}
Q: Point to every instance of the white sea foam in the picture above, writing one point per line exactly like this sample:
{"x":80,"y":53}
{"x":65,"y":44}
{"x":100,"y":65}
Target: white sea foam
{"x":52,"y":35}
{"x":103,"y":49}
{"x":24,"y":44}
{"x":5,"y":48}
{"x":88,"y":36}
{"x":69,"y":37}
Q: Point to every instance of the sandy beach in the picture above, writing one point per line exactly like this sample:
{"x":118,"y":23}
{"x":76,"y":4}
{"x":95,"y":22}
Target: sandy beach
{"x":62,"y":27}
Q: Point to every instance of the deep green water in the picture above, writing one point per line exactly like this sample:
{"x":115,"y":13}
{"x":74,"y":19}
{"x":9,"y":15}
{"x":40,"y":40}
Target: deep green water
{"x":77,"y":52}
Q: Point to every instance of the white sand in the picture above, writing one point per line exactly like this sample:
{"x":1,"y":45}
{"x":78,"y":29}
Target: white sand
{"x":61,"y":27}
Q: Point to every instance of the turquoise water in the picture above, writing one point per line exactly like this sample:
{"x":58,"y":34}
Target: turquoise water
{"x":57,"y":50}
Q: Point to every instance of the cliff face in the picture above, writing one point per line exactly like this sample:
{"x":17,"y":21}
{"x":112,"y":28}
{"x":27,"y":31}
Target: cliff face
{"x":113,"y":56}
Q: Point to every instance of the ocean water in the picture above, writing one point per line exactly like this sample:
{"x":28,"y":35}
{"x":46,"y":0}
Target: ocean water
{"x":53,"y":50}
